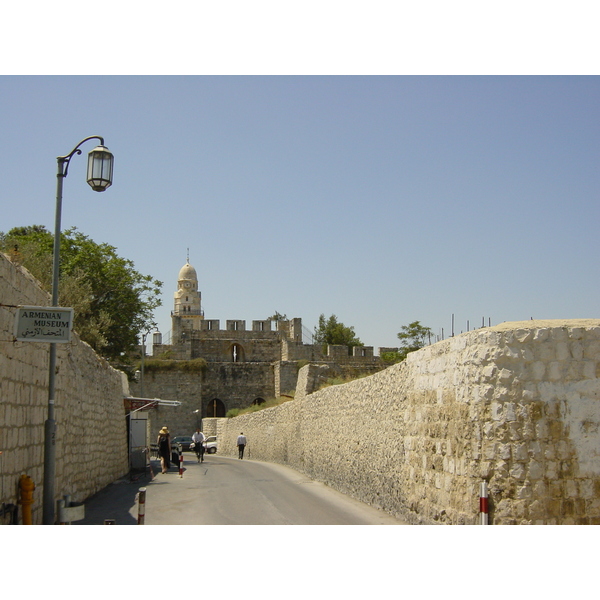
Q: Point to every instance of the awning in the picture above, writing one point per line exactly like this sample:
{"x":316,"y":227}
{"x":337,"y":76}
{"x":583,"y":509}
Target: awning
{"x":134,"y":404}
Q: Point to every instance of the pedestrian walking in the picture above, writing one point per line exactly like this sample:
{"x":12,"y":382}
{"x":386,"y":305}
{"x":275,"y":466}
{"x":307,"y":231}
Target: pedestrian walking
{"x":241,"y":444}
{"x":198,"y":438}
{"x":164,"y":448}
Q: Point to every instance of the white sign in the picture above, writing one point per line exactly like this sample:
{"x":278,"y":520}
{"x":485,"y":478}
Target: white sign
{"x":44,"y":324}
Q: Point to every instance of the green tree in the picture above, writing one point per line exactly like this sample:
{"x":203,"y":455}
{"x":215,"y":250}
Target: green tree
{"x":112,"y":302}
{"x":413,"y":336}
{"x":277,"y":317}
{"x":330,"y":331}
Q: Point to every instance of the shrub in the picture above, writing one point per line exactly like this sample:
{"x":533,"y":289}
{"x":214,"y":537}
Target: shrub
{"x":270,"y":403}
{"x":392,"y":357}
{"x":197,"y":364}
{"x":157,"y":365}
{"x":340,"y":380}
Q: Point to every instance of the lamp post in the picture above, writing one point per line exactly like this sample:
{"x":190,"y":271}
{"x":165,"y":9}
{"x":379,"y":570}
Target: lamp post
{"x":99,"y":177}
{"x":139,"y":376}
{"x":143,"y":354}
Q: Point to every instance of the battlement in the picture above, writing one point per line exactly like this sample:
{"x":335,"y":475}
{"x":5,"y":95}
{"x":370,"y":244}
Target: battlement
{"x":240,"y":325}
{"x":362,"y":351}
{"x":290,"y":328}
{"x":340,"y":352}
{"x":208,"y":342}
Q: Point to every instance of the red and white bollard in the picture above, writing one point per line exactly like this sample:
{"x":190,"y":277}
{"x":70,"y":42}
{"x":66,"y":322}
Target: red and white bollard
{"x":483,"y":504}
{"x":141,"y":505}
{"x":181,"y":464}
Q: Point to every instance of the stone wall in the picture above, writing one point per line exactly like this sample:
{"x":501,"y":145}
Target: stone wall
{"x":516,"y":405}
{"x":286,"y":374}
{"x":253,"y":346}
{"x":91,"y":438}
{"x":236,"y":385}
{"x":172,"y":385}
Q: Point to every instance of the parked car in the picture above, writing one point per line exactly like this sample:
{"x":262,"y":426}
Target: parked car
{"x":184,"y":440}
{"x":211,"y":444}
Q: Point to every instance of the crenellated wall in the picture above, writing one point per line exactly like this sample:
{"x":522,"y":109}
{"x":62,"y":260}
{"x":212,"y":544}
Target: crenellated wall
{"x":516,"y":405}
{"x":91,"y":435}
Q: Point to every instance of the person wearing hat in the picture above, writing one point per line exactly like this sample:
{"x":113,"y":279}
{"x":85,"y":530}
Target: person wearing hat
{"x":164,"y":448}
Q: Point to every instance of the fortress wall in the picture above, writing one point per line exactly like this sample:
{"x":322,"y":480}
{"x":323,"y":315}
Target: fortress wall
{"x":237,"y":385}
{"x":286,"y":374}
{"x":172,"y":385}
{"x":91,"y":438}
{"x":516,"y":405}
{"x":298,"y":351}
{"x":256,"y":347}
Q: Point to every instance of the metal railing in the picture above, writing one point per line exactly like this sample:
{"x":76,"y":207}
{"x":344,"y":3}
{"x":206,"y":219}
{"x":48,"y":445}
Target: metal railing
{"x":307,"y":336}
{"x":187,"y":313}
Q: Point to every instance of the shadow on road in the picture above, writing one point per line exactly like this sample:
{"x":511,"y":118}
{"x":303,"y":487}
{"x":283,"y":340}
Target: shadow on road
{"x":118,"y":500}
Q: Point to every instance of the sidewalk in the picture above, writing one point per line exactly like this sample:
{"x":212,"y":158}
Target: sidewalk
{"x":119,"y":500}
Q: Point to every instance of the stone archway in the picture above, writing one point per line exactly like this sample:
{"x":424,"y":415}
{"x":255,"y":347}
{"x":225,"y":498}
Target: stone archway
{"x":258,"y":401}
{"x":215,"y":408}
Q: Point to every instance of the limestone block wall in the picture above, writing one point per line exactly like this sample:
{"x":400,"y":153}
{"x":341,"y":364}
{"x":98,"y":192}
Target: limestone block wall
{"x":172,"y":385}
{"x":298,"y":351}
{"x":286,"y":374}
{"x":237,"y":385}
{"x":516,"y":405}
{"x":91,"y":438}
{"x":210,"y":424}
{"x":219,"y":348}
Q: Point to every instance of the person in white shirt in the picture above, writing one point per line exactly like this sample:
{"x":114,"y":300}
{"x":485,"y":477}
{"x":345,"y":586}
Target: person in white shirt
{"x":241,"y":444}
{"x":198,"y":438}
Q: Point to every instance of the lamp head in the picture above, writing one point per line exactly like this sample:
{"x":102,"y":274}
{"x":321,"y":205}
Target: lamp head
{"x":100,"y":168}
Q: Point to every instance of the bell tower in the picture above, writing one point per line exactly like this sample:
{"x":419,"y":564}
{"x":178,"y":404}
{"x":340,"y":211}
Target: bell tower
{"x":187,"y":310}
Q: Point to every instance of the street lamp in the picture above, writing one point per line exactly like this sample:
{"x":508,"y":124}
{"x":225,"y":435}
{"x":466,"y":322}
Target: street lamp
{"x":99,"y":177}
{"x":154,"y":327}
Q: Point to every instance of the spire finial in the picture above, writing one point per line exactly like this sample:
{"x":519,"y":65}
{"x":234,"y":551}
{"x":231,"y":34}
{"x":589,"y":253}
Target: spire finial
{"x":188,"y":255}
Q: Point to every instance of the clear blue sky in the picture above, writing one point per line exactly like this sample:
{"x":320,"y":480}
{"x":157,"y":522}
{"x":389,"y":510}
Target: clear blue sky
{"x":383,"y":200}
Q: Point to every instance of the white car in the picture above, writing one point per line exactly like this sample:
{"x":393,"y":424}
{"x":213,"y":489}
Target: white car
{"x":211,"y":444}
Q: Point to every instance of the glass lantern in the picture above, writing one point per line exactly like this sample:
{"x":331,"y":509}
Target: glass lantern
{"x":100,"y":168}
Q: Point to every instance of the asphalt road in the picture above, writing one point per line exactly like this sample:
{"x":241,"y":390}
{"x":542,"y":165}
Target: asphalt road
{"x":229,"y":491}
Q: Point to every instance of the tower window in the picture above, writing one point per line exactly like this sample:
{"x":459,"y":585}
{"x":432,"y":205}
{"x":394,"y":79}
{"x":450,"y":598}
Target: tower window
{"x":237,"y":353}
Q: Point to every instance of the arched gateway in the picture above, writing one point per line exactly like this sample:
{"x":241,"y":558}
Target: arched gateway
{"x":215,"y":408}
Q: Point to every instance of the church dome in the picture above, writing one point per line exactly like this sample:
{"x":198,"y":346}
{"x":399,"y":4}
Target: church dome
{"x":188,"y":272}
